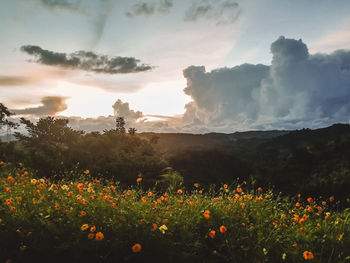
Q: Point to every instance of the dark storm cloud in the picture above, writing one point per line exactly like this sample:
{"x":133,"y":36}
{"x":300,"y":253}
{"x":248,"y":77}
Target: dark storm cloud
{"x":51,"y":105}
{"x":150,"y":8}
{"x":221,"y":11}
{"x":297,"y":90}
{"x":88,"y":61}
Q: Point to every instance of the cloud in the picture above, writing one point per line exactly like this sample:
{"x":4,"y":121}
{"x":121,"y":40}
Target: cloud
{"x":150,"y":8}
{"x":88,"y":61}
{"x":123,"y":110}
{"x":297,"y":90}
{"x":51,"y":105}
{"x":72,"y":5}
{"x":14,"y":81}
{"x":221,"y":11}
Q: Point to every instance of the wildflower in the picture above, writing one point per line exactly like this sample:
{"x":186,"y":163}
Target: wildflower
{"x":239,"y":190}
{"x":297,"y":204}
{"x":91,"y":236}
{"x":86,"y":172}
{"x":7,"y":189}
{"x":10,"y":179}
{"x":154,"y":227}
{"x":64,"y":187}
{"x":260,"y":198}
{"x":57,"y":206}
{"x":144,"y":199}
{"x":84,"y":227}
{"x":331,"y":199}
{"x":136,"y":248}
{"x":259,"y":189}
{"x":8,"y":201}
{"x":283,"y":216}
{"x":13,"y":209}
{"x":165,"y":221}
{"x":308,"y":255}
{"x":225,"y":186}
{"x":82,"y":213}
{"x":324,"y":203}
{"x":2,"y":163}
{"x":265,"y":251}
{"x":112,"y":187}
{"x":284,"y":255}
{"x":163,"y":228}
{"x":309,"y":209}
{"x":196,"y":185}
{"x":206,"y":214}
{"x":138,"y":180}
{"x":69,"y":193}
{"x":80,"y":186}
{"x":179,"y":192}
{"x":99,"y":236}
{"x":149,"y":194}
{"x":92,"y":197}
{"x":243,"y":224}
{"x":310,"y":200}
{"x":212,"y":234}
{"x":200,"y":192}
{"x":223,"y":229}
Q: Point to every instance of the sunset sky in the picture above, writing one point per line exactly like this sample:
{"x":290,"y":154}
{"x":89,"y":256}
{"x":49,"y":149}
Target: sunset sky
{"x":178,"y":65}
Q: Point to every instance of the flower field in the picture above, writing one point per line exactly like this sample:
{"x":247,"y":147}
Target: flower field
{"x":87,"y":220}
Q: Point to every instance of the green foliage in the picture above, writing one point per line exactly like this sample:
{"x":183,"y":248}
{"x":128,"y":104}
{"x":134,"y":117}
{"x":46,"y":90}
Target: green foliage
{"x":171,"y":180}
{"x":42,"y":221}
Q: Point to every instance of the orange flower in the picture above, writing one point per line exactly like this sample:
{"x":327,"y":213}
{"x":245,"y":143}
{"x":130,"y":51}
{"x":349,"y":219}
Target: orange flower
{"x":200,"y":192}
{"x":223,"y":229}
{"x":10,"y":179}
{"x":309,"y":209}
{"x":179,"y":192}
{"x":136,"y":248}
{"x":86,"y":172}
{"x":331,"y":199}
{"x":92,"y":229}
{"x":143,"y":199}
{"x":154,"y":227}
{"x":239,"y":190}
{"x":196,"y":185}
{"x":57,"y":206}
{"x":112,"y":187}
{"x":212,"y":234}
{"x":138,"y":180}
{"x":310,"y":200}
{"x":324,"y":203}
{"x":259,"y":189}
{"x":225,"y":186}
{"x":149,"y":194}
{"x":91,"y":236}
{"x":8,"y":201}
{"x":13,"y":209}
{"x":92,"y":197}
{"x":297,"y":204}
{"x":206,"y":214}
{"x":2,"y":163}
{"x":80,"y":186}
{"x":308,"y":255}
{"x":99,"y":236}
{"x":260,"y":198}
{"x":82,"y":213}
{"x":7,"y":189}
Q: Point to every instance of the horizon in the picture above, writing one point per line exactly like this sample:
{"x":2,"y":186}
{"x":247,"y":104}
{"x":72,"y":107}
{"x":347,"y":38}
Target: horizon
{"x":166,"y":66}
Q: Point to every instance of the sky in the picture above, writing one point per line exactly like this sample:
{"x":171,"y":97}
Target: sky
{"x":177,"y":65}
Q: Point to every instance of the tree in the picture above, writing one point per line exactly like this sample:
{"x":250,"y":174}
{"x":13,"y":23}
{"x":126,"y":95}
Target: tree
{"x":4,"y":114}
{"x":50,"y":145}
{"x":120,"y":125}
{"x":132,"y":131}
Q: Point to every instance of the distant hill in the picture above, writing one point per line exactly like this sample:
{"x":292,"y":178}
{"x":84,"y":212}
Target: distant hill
{"x":172,"y":143}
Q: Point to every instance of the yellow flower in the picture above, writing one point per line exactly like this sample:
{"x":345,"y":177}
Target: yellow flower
{"x":64,"y":187}
{"x":163,"y":228}
{"x":284,"y":255}
{"x":265,"y":251}
{"x":33,"y":181}
{"x":84,"y":227}
{"x":86,"y":172}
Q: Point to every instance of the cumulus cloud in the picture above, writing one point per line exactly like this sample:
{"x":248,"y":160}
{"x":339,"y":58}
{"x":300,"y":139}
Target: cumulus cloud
{"x":150,"y":8}
{"x":51,"y":105}
{"x":297,"y":90}
{"x":88,"y":61}
{"x":221,"y":11}
{"x":123,"y":110}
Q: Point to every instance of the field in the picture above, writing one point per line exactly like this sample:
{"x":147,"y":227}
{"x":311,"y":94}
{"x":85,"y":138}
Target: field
{"x":88,"y":220}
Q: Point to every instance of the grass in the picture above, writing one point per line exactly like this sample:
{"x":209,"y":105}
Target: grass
{"x":86,"y":220}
